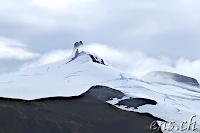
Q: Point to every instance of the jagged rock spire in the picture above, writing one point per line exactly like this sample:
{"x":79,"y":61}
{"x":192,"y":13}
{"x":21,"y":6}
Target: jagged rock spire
{"x":78,"y":44}
{"x":75,"y":49}
{"x":77,"y":52}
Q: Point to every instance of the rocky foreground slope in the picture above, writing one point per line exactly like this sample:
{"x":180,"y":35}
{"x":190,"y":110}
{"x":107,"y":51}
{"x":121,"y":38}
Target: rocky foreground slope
{"x":82,"y":114}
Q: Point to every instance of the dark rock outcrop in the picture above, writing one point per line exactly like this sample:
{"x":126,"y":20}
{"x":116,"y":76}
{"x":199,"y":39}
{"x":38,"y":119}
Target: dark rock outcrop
{"x":104,"y":93}
{"x":96,"y":60}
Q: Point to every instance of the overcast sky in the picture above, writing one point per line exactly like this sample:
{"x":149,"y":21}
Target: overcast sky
{"x":159,"y":32}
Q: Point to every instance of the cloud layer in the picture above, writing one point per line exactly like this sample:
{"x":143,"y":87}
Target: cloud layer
{"x":165,"y":32}
{"x":138,"y":63}
{"x":48,"y":57}
{"x":168,"y":27}
{"x":135,"y":62}
{"x":12,"y":49}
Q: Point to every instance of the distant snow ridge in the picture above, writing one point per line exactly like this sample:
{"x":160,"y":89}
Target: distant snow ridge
{"x":174,"y":76}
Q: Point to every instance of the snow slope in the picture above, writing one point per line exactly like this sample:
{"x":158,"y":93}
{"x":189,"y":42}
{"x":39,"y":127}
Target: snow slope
{"x":74,"y":77}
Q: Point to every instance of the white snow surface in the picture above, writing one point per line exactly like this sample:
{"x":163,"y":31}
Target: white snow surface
{"x":175,"y":102}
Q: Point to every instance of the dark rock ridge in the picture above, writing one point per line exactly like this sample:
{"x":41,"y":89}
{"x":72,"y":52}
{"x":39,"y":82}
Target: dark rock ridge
{"x":82,"y":114}
{"x":174,"y":76}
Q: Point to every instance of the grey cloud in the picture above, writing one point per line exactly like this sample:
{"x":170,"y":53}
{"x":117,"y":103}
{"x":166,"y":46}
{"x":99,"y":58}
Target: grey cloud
{"x":134,"y":62}
{"x":47,"y":58}
{"x":12,"y":49}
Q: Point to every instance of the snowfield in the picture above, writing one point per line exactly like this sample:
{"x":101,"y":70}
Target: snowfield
{"x":175,"y":101}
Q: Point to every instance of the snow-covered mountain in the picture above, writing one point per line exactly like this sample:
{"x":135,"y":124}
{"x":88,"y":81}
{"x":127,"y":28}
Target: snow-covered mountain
{"x":87,"y":73}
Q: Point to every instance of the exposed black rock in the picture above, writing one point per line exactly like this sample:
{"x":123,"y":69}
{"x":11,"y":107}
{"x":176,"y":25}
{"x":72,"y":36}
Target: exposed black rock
{"x":83,"y":114}
{"x":174,"y":76}
{"x":102,"y":62}
{"x":136,"y":102}
{"x":96,"y":60}
{"x":104,"y":93}
{"x":77,"y":53}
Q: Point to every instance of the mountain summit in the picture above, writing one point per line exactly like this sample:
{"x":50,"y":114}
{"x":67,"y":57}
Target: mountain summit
{"x":76,"y":53}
